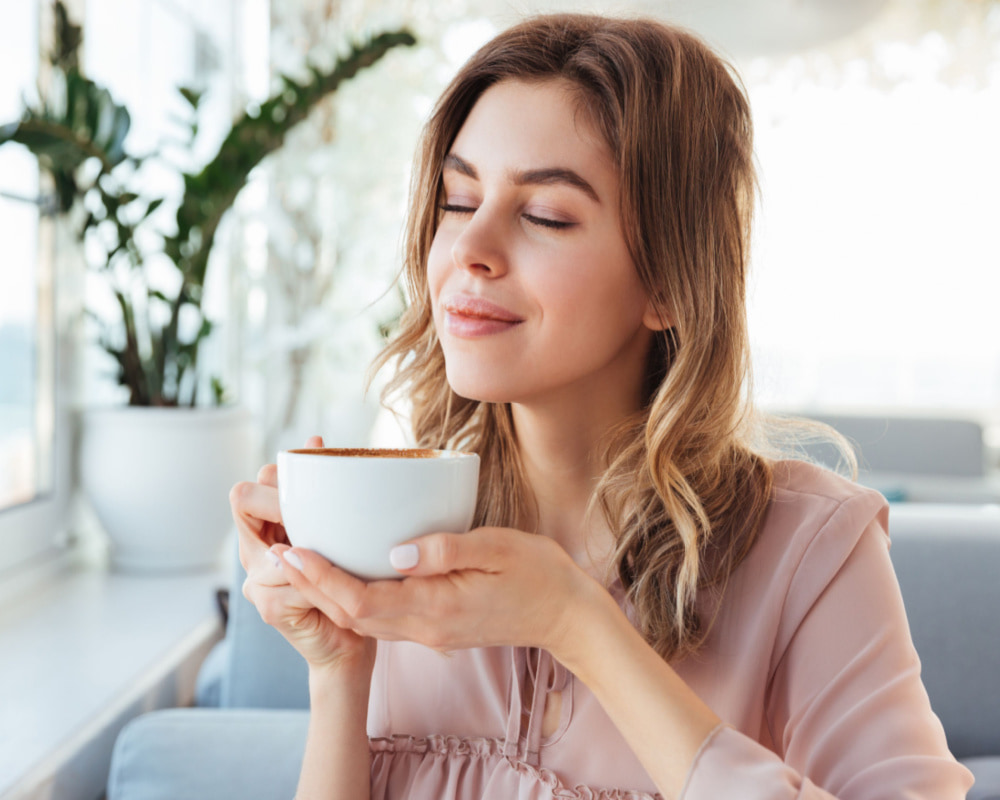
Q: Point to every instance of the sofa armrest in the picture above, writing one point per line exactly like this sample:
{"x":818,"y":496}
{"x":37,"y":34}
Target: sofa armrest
{"x":208,"y":754}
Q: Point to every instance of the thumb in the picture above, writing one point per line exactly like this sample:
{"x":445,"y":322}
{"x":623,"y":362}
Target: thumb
{"x":314,"y":441}
{"x":440,"y":553}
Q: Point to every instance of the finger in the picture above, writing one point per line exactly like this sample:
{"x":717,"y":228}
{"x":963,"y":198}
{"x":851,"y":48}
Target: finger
{"x":333,"y":591}
{"x":278,"y":606}
{"x":267,"y":569}
{"x":268,"y":475}
{"x":255,"y":500}
{"x":256,"y":558}
{"x":439,"y":553}
{"x":384,"y":609}
{"x":314,"y":441}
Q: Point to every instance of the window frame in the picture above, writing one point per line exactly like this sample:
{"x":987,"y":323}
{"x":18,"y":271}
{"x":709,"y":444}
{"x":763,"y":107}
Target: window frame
{"x":40,"y":528}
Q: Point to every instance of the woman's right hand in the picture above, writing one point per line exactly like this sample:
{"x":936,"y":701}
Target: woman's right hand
{"x":325,"y":646}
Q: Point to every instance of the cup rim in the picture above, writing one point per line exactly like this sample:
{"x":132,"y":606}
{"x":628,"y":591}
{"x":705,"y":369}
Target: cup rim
{"x":388,"y":453}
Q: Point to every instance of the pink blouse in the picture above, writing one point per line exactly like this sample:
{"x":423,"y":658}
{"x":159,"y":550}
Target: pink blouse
{"x":809,"y":664}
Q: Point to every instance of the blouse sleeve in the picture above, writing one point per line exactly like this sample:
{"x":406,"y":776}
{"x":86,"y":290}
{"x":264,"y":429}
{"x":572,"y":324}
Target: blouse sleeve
{"x":846,"y":708}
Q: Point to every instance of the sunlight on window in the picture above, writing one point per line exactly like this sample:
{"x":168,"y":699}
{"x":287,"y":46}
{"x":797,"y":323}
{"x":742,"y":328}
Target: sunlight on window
{"x":18,"y":333}
{"x":875,"y":273}
{"x":20,"y":403}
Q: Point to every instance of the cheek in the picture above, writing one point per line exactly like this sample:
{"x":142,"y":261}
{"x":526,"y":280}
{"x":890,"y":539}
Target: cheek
{"x":437,"y":265}
{"x":603,"y":284}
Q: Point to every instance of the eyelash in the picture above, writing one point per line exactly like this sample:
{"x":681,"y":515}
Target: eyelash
{"x":540,"y":221}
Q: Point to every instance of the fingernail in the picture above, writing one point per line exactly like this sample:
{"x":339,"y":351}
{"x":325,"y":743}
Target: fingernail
{"x":405,"y":556}
{"x":294,"y":560}
{"x":274,"y":558}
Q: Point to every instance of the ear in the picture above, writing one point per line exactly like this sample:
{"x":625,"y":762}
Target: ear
{"x":655,"y":319}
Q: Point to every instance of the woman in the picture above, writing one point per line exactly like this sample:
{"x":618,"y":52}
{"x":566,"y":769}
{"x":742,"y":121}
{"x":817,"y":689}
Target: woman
{"x":650,"y":604}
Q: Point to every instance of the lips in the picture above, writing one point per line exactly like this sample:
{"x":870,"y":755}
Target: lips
{"x":470,"y":316}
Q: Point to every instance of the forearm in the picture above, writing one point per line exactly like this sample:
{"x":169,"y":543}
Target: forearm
{"x":336,"y":764}
{"x":662,"y":719}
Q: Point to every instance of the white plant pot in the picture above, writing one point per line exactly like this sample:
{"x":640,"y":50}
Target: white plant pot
{"x":159,"y":480}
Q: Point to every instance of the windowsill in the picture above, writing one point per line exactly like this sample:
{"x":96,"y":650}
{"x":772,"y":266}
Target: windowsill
{"x":82,"y":652}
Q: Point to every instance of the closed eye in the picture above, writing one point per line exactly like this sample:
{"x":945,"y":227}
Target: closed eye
{"x":548,"y":223}
{"x":451,"y":208}
{"x":542,"y":222}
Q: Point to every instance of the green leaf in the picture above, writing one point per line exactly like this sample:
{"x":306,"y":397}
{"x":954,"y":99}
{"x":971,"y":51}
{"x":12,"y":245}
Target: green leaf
{"x":193,"y":96}
{"x":66,"y":188}
{"x":209,"y":194}
{"x":68,"y":38}
{"x":218,"y":391}
{"x":155,"y":204}
{"x":190,"y":349}
{"x":121,"y":124}
{"x":7,"y":131}
{"x":64,"y":135}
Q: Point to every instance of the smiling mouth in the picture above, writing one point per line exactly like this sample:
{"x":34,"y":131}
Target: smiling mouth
{"x":469,"y":317}
{"x":477,"y":308}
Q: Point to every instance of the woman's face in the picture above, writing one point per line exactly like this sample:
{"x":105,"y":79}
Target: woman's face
{"x":534,"y":294}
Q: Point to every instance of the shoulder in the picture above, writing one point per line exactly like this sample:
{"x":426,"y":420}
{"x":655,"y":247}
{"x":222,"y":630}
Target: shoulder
{"x":804,"y":479}
{"x":808,"y":500}
{"x":814,"y":522}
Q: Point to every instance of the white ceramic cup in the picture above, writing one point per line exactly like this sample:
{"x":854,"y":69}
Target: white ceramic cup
{"x":353,"y":506}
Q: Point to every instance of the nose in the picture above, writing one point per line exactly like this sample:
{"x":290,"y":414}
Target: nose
{"x":479,"y":248}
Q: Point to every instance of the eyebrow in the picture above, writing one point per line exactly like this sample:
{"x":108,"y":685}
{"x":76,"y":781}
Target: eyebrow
{"x":546,"y":176}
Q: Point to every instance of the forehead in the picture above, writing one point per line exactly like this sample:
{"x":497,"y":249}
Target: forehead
{"x":537,"y":119}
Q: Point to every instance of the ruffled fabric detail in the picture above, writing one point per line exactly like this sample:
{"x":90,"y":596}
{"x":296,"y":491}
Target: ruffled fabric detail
{"x":411,"y":767}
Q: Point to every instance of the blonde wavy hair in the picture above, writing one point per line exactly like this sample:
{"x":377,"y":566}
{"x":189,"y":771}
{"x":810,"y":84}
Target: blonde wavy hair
{"x":685,"y":488}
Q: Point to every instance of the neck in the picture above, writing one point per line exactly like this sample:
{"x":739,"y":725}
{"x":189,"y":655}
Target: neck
{"x":561,"y":447}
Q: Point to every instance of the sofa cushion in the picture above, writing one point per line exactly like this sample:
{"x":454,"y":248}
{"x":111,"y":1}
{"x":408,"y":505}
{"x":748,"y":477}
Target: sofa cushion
{"x":947,"y":561}
{"x":987,"y":772}
{"x":257,"y":667}
{"x":207,"y":754}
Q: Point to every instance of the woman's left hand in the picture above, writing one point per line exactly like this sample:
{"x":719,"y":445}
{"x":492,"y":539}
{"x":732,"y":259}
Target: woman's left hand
{"x":491,"y":586}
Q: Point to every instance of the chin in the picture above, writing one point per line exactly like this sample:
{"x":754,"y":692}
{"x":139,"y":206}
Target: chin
{"x":482,"y":388}
{"x":481,"y":394}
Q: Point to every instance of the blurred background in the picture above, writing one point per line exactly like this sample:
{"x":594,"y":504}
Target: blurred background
{"x":875,"y":275}
{"x":200,"y":216}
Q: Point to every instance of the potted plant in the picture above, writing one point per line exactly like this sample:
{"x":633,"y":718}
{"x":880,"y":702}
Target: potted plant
{"x":157,"y":471}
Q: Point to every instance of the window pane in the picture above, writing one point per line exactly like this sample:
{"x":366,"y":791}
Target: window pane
{"x":875,"y":263}
{"x":26,"y":385}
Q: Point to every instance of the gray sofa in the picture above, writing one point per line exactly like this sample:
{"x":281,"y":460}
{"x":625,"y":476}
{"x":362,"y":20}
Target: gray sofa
{"x":249,"y":746}
{"x":915,"y":458}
